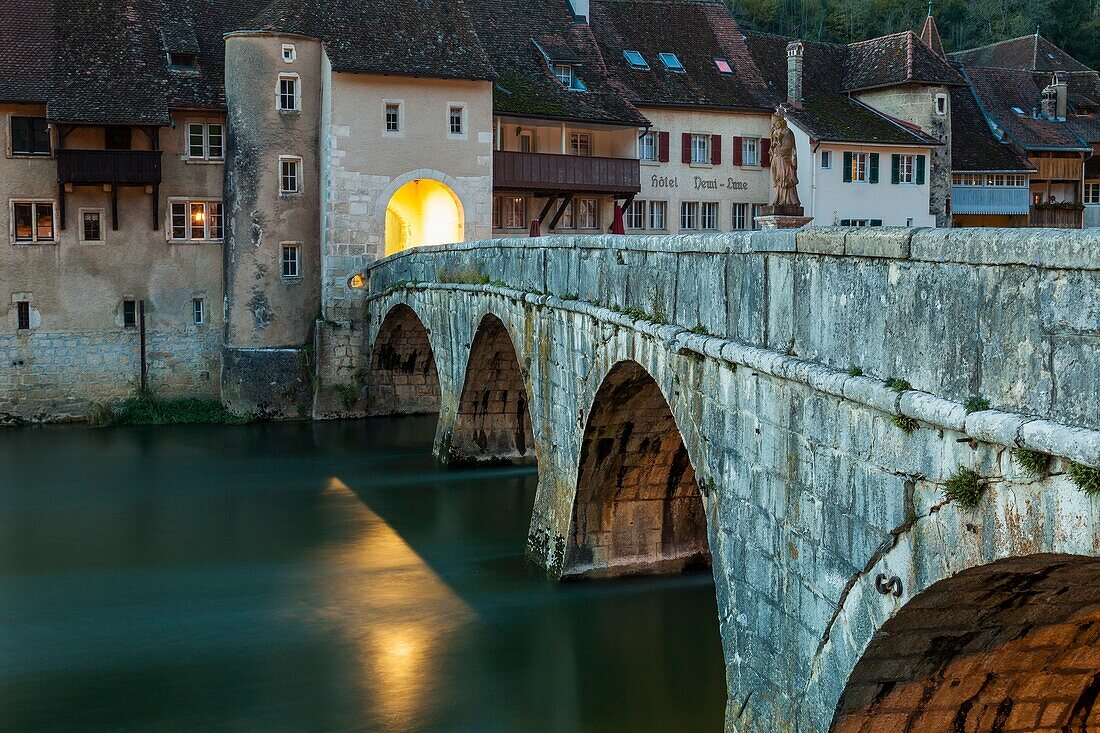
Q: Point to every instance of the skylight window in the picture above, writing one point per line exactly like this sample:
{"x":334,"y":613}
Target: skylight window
{"x":636,"y":60}
{"x":1018,"y":111}
{"x":671,"y":62}
{"x":723,"y":66}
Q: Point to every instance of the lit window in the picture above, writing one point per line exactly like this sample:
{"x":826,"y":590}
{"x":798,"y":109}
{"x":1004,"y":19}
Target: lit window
{"x":635,"y":215}
{"x":857,"y":167}
{"x":740,"y":216}
{"x":580,"y":143}
{"x":658,"y":215}
{"x":647,"y":146}
{"x":826,"y":158}
{"x":289,"y":53}
{"x":32,"y":221}
{"x":291,"y":261}
{"x":289,"y":93}
{"x":196,"y":221}
{"x":636,"y":60}
{"x":455,"y":120}
{"x":290,"y":179}
{"x":91,"y":226}
{"x":700,"y":148}
{"x":515,"y":212}
{"x":30,"y":136}
{"x":723,"y":66}
{"x":205,"y":141}
{"x":750,"y":151}
{"x":1092,"y":192}
{"x":129,"y":314}
{"x":709,"y":215}
{"x":588,"y":214}
{"x":393,"y":117}
{"x":198,"y":311}
{"x":23,"y":315}
{"x":689,"y":215}
{"x":671,"y":62}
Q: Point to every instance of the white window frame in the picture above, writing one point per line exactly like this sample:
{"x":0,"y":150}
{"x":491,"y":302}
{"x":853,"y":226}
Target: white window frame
{"x":700,"y":143}
{"x":297,"y":160}
{"x":739,"y":217}
{"x":568,"y":218}
{"x":35,"y":203}
{"x":205,"y":132}
{"x":588,"y":213}
{"x":280,"y":97}
{"x":907,"y":170}
{"x":296,"y":248}
{"x":460,"y":107}
{"x":512,"y":211}
{"x":208,"y":216}
{"x":529,"y":137}
{"x":941,"y":104}
{"x":580,"y":144}
{"x":102,"y":228}
{"x":198,"y":310}
{"x":689,"y":216}
{"x":658,"y":216}
{"x":290,"y":54}
{"x":1092,"y":192}
{"x":564,"y":74}
{"x":399,"y":105}
{"x":635,"y":215}
{"x":648,"y":147}
{"x":861,"y":167}
{"x":750,"y":152}
{"x":708,"y":216}
{"x":826,"y":159}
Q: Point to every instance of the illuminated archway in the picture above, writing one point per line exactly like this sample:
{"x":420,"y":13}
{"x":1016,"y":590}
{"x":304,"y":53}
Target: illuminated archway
{"x":421,"y":212}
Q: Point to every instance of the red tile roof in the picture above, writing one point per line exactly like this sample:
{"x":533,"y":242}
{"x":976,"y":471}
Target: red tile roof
{"x":1026,"y":53}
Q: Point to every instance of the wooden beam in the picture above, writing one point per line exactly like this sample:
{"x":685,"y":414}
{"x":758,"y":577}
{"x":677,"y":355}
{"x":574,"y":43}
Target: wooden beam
{"x":61,"y":205}
{"x":156,"y":207}
{"x":561,"y":210}
{"x":114,"y":206}
{"x":546,"y":209}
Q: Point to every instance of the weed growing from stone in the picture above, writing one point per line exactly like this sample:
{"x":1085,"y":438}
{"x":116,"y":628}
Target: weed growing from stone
{"x":148,"y":409}
{"x":855,"y":372}
{"x":976,"y":403}
{"x":570,"y":296}
{"x":349,"y":394}
{"x":1032,"y":461}
{"x":701,"y":330}
{"x":965,"y":488}
{"x":905,"y":423}
{"x":897,"y":384}
{"x":1086,"y":478}
{"x":463,"y":276}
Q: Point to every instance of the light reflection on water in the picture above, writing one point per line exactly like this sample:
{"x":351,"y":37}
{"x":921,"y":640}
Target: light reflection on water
{"x":316,"y":577}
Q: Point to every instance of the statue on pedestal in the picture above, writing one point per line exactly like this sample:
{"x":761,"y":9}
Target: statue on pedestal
{"x":784,"y":164}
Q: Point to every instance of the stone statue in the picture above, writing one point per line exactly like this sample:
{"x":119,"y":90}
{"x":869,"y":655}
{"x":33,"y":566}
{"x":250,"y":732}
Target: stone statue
{"x":784,"y":163}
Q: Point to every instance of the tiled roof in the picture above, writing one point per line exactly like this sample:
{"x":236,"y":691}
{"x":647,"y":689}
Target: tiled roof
{"x":698,"y":32}
{"x":930,"y":36}
{"x":1027,"y":53}
{"x":28,"y":45}
{"x":1000,"y":90}
{"x":525,"y":85}
{"x":899,"y":58}
{"x":973,"y":145}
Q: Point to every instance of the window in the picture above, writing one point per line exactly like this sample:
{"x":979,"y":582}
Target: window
{"x":635,"y":215}
{"x":393,"y":117}
{"x":23,"y":315}
{"x":91,"y":226}
{"x":1092,"y":193}
{"x":740,"y":216}
{"x":636,"y":60}
{"x":861,"y":222}
{"x":1018,"y":111}
{"x":291,"y":261}
{"x":941,"y":104}
{"x":198,"y":311}
{"x":289,"y":53}
{"x":580,"y":143}
{"x":526,"y":141}
{"x":658,"y":215}
{"x":671,"y":62}
{"x":689,"y":215}
{"x":515,"y":212}
{"x":289,"y":93}
{"x":826,"y":158}
{"x":290,"y":178}
{"x":647,"y":146}
{"x":496,"y":212}
{"x":205,"y":141}
{"x":906,"y":169}
{"x":861,"y":167}
{"x":700,"y":148}
{"x":568,"y":219}
{"x":129,"y":314}
{"x":910,"y":169}
{"x":195,"y":220}
{"x":755,"y":213}
{"x":183,"y":61}
{"x":909,"y":221}
{"x":750,"y":151}
{"x":456,"y":119}
{"x":588,"y":214}
{"x":32,"y":221}
{"x":723,"y":66}
{"x":708,"y":215}
{"x":30,"y":136}
{"x":564,"y":72}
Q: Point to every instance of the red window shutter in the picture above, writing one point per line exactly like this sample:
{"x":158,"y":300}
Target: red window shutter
{"x":662,"y":147}
{"x":686,"y":140}
{"x":737,"y":151}
{"x":765,"y":152}
{"x":715,"y":149}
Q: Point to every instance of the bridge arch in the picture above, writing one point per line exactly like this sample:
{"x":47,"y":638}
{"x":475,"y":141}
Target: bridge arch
{"x":1013,"y":645}
{"x":637,"y":507}
{"x":403,"y":378}
{"x":493,"y":422}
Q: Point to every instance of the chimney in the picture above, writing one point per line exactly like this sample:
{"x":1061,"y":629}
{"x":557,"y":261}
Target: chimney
{"x":580,"y":10}
{"x":1061,"y":92}
{"x":794,"y":73}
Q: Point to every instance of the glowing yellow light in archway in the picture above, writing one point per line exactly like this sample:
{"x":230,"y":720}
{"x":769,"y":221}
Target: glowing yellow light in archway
{"x":422,"y":212}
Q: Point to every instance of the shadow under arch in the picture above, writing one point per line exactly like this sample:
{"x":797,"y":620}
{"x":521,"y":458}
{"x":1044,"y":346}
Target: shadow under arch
{"x":637,"y":507}
{"x":1009,"y":646}
{"x":493,"y":423}
{"x":402,"y":378}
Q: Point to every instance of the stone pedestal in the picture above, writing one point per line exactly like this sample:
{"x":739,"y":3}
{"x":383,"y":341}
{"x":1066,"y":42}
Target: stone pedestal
{"x":782,"y":217}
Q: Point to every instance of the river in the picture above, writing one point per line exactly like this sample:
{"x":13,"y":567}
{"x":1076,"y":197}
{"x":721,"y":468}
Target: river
{"x":316,"y":577}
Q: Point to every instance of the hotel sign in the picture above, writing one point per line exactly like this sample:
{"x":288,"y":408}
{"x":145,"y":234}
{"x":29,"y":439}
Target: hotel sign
{"x":699,"y":183}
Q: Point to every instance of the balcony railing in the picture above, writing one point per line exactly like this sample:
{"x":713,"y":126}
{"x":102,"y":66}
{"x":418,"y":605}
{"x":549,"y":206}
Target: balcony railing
{"x":565,"y":173}
{"x":1057,"y":169}
{"x":140,"y":167}
{"x":1056,"y":218}
{"x":990,"y":200}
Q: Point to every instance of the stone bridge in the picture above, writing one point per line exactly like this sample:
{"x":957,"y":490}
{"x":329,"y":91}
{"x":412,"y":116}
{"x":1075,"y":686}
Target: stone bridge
{"x":881,"y":441}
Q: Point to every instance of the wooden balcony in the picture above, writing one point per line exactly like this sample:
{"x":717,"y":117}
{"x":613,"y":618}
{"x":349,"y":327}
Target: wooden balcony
{"x":119,"y":167}
{"x":552,"y":173}
{"x":1056,"y":218}
{"x":1056,"y":169}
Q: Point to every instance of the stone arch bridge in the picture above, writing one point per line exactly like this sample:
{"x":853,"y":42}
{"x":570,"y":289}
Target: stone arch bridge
{"x":789,"y":408}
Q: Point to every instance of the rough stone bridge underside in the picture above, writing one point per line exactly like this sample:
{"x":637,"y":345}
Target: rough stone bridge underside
{"x":726,"y":400}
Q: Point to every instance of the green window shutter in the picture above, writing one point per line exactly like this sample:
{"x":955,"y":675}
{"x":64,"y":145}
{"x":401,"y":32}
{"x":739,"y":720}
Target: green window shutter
{"x":872,"y":176}
{"x":920,"y":170}
{"x":847,"y":167}
{"x":895,"y":168}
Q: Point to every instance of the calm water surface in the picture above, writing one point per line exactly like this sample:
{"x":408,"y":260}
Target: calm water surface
{"x":316,"y":577}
